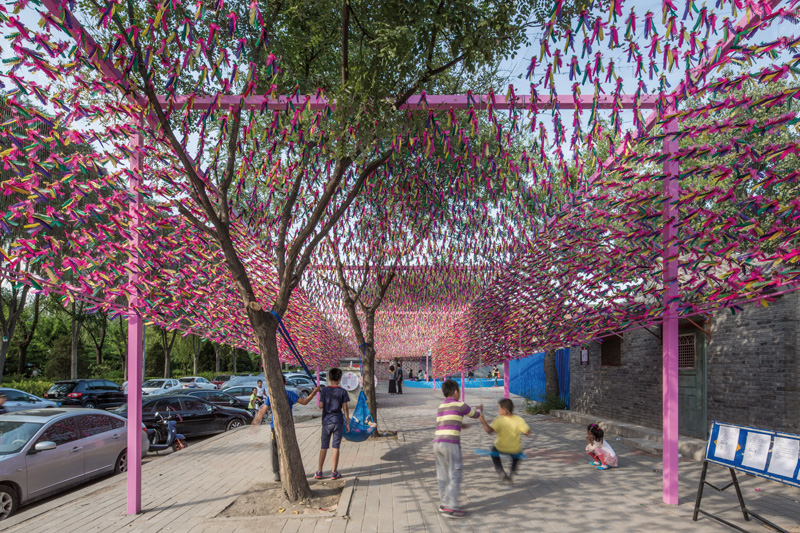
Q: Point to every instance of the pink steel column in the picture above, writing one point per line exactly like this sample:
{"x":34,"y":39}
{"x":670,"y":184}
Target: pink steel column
{"x":670,"y":327}
{"x":134,"y":340}
{"x":362,"y":386}
{"x":463,"y":389}
{"x":427,"y":360}
{"x":505,"y":379}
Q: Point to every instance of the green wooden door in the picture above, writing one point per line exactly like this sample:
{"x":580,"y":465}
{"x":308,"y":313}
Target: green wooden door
{"x":692,"y":383}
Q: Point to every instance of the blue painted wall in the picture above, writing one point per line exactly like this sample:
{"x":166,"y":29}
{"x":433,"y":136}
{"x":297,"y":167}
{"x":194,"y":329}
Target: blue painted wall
{"x":527,"y":377}
{"x":562,"y":367}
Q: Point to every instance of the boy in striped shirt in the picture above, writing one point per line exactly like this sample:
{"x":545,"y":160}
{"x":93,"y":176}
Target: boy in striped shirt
{"x":447,"y":446}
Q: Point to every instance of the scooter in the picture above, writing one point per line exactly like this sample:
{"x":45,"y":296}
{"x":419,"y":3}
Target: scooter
{"x":174,"y":440}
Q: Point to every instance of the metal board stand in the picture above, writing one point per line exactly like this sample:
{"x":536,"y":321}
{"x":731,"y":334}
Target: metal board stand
{"x":735,"y":483}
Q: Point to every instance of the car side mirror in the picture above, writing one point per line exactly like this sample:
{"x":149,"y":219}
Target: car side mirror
{"x":44,"y":446}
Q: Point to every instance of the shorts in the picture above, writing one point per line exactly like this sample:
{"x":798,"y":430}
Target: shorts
{"x":332,"y":430}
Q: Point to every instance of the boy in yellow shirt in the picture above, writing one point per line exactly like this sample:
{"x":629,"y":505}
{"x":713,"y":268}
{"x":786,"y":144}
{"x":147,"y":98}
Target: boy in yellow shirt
{"x":508,"y":428}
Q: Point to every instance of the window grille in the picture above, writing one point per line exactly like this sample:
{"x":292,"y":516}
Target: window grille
{"x":687,"y":351}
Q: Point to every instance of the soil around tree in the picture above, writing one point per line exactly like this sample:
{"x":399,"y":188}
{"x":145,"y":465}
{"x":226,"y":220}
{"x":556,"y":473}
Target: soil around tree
{"x":267,"y":499}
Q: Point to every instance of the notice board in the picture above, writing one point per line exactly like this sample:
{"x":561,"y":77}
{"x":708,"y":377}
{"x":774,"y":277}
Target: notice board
{"x":764,"y":453}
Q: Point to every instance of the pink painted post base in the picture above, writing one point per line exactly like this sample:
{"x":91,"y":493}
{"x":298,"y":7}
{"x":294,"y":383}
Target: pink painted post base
{"x":463,"y":388}
{"x":505,"y":380}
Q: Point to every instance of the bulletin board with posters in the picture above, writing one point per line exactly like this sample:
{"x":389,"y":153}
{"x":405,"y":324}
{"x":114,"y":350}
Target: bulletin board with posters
{"x":764,"y":453}
{"x":761,"y":452}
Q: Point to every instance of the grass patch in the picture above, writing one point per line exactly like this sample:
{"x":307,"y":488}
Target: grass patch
{"x":544,"y":407}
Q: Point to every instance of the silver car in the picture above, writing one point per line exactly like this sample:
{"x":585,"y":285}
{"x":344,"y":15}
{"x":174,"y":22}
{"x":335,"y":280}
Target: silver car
{"x":17,"y":400}
{"x":45,"y":451}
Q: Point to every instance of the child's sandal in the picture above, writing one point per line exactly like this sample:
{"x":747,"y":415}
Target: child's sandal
{"x":595,"y":463}
{"x":603,"y":467}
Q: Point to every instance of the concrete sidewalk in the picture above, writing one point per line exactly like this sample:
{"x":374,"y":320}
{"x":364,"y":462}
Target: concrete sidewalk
{"x":555,"y":490}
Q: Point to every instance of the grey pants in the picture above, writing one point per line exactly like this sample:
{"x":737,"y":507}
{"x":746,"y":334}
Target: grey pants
{"x":448,"y":472}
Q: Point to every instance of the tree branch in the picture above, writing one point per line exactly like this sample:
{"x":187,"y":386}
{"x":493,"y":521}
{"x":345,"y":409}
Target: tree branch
{"x":195,"y":221}
{"x":365,"y":32}
{"x":345,"y":41}
{"x":423,"y":79}
{"x":230,"y":168}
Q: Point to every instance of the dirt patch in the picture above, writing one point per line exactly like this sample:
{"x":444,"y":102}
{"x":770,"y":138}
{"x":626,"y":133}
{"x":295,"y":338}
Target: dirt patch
{"x":267,"y":499}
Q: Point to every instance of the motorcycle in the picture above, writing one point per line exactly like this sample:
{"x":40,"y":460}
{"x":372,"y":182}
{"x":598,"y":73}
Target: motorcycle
{"x":174,"y":440}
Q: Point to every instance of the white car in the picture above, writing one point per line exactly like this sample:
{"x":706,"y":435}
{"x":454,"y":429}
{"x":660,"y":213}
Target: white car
{"x":158,"y":386}
{"x":17,"y":400}
{"x":195,"y":382}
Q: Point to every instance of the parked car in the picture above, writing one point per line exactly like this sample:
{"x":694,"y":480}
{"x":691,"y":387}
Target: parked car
{"x":217,"y":397}
{"x":17,"y":400}
{"x":301,"y":383}
{"x":243,"y":392}
{"x":196,"y":382}
{"x":88,"y":393}
{"x":44,"y":451}
{"x":221,"y":379}
{"x":159,"y":386}
{"x":196,"y":416}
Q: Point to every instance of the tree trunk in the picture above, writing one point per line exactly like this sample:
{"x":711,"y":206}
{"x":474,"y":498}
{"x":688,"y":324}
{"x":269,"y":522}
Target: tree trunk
{"x":9,"y":324}
{"x":76,"y":329}
{"x":550,"y":373}
{"x":233,"y":355}
{"x":22,"y":347}
{"x":122,"y":347}
{"x":293,"y":475}
{"x":368,"y":369}
{"x":167,"y":346}
{"x":197,"y":344}
{"x":217,"y":349}
{"x":4,"y":345}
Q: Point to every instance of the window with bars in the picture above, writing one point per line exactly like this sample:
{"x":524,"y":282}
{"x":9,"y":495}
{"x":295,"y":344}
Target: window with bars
{"x":687,"y":351}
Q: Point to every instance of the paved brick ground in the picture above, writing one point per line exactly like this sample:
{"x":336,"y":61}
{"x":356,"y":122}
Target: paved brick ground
{"x":556,"y":489}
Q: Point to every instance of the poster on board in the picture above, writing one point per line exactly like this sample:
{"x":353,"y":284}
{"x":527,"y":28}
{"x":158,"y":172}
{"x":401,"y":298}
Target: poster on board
{"x":756,"y":450}
{"x":784,"y":456}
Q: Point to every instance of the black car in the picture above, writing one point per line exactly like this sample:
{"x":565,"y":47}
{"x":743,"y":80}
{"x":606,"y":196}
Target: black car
{"x":195,"y":416}
{"x":219,"y":398}
{"x":89,"y":393}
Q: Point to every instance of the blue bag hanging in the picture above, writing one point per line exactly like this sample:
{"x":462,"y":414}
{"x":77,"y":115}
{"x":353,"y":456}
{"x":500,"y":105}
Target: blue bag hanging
{"x":360,"y":427}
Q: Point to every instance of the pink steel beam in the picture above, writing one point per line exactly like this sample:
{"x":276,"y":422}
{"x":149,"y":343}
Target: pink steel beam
{"x":135,"y":326}
{"x":463,"y":388}
{"x":416,"y":102}
{"x":670,"y":329}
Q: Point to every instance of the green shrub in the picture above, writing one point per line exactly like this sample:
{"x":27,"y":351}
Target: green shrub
{"x":36,"y":387}
{"x":550,"y":403}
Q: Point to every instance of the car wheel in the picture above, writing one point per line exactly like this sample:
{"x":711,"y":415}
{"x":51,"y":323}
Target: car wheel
{"x":235,"y":423}
{"x":304,"y":394}
{"x":8,"y":501}
{"x":122,"y":462}
{"x":90,"y":405}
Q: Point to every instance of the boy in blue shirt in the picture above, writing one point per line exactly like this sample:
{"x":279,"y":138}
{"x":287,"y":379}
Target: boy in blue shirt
{"x":293,"y":399}
{"x":333,"y":401}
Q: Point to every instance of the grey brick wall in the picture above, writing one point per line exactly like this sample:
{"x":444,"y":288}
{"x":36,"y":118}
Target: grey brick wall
{"x":753,"y":366}
{"x":753,"y":372}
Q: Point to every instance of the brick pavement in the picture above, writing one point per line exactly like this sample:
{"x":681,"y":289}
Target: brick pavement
{"x":556,"y":489}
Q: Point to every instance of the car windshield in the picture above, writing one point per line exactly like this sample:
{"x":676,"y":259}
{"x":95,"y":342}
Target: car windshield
{"x":62,"y":387}
{"x":152,"y":383}
{"x":224,"y":377}
{"x":186,"y":380}
{"x":15,"y":435}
